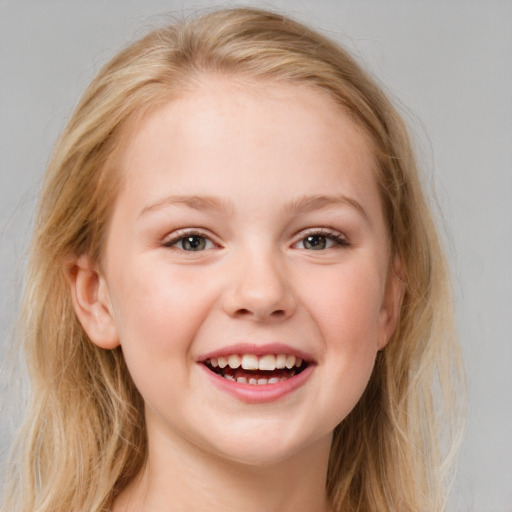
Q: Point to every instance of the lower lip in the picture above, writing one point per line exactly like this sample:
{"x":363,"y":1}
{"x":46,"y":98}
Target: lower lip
{"x":258,"y":394}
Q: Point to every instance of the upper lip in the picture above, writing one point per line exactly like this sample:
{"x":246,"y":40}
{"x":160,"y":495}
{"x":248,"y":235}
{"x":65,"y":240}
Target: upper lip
{"x":257,"y":350}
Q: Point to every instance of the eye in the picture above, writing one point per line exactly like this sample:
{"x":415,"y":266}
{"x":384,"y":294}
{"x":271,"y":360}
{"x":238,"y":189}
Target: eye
{"x":316,"y":242}
{"x":190,"y":242}
{"x":319,"y":241}
{"x":193,"y":243}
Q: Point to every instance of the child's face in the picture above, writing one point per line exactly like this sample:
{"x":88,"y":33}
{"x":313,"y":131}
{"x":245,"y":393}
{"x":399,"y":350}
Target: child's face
{"x":249,"y":222}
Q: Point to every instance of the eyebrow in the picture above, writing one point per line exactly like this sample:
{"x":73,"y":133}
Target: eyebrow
{"x":308,"y":204}
{"x":304,"y":204}
{"x":194,"y":202}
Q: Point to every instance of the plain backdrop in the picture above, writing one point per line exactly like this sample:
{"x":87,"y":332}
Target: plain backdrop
{"x":447,"y":63}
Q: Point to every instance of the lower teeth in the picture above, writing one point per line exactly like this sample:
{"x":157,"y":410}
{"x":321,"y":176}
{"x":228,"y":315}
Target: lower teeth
{"x":256,"y":382}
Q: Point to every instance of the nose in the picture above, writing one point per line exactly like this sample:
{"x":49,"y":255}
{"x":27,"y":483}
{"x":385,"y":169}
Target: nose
{"x":259,"y":289}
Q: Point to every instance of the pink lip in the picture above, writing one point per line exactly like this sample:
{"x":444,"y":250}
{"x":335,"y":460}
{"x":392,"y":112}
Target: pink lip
{"x":257,"y":350}
{"x":255,"y":394}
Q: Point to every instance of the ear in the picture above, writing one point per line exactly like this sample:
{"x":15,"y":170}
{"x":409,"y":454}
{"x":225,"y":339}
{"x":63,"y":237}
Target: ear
{"x":91,"y":301}
{"x":392,"y":303}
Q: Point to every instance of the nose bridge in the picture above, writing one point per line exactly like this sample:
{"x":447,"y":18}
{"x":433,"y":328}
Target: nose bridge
{"x":259,"y":286}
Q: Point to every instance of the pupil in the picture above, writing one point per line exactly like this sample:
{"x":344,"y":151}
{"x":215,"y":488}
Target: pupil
{"x":193,"y":243}
{"x":315,"y":242}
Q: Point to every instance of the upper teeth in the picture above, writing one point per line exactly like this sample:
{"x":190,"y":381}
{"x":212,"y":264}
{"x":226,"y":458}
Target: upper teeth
{"x":252,"y":362}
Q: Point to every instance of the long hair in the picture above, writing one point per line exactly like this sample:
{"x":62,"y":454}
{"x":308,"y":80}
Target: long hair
{"x":84,"y":438}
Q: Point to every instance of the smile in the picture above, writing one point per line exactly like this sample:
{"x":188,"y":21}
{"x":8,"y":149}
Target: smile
{"x":256,"y":370}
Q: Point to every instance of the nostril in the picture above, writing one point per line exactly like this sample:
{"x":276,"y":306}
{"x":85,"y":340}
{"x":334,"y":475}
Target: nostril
{"x":278,"y":313}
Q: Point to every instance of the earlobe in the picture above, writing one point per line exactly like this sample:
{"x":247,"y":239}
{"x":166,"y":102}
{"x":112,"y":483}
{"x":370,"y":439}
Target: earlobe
{"x":392,"y":303}
{"x":91,"y":301}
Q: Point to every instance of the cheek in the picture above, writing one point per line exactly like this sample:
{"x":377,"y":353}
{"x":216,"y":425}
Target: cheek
{"x":158,"y":312}
{"x":345,"y":305}
{"x":344,"y":301}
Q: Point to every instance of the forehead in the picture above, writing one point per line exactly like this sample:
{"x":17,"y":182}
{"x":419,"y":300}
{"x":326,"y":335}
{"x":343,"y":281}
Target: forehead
{"x":271,"y":114}
{"x":224,"y":135}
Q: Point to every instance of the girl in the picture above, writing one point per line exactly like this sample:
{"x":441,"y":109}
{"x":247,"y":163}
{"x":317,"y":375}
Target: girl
{"x":236,"y":295}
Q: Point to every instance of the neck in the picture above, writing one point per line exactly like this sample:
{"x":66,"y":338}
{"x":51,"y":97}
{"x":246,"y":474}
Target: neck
{"x":179,"y":477}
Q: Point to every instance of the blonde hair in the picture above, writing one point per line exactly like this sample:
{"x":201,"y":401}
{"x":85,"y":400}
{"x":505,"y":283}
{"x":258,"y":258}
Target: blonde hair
{"x":84,"y":438}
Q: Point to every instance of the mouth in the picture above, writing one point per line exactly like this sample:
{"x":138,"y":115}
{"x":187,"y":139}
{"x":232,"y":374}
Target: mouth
{"x":255,"y":369}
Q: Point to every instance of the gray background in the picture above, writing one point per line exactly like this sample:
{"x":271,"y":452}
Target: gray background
{"x":448,"y":62}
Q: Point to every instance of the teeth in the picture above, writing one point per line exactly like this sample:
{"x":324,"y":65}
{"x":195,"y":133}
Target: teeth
{"x":234,"y":361}
{"x":290,"y":362}
{"x":281,"y":361}
{"x":256,"y":382}
{"x":267,"y":362}
{"x":250,"y":362}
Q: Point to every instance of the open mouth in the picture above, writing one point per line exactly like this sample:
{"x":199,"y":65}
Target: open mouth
{"x":256,"y":370}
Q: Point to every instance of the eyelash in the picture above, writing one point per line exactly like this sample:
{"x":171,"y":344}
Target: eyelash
{"x":182,"y":235}
{"x":335,"y":236}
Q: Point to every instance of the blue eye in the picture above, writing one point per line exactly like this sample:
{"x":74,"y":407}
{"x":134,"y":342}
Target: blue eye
{"x":321,"y":241}
{"x":193,"y":243}
{"x":315,"y":242}
{"x":190,"y":242}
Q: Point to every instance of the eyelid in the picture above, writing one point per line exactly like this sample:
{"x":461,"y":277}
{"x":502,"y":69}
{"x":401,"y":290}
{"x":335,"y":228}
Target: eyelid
{"x":333,"y":234}
{"x":172,"y":238}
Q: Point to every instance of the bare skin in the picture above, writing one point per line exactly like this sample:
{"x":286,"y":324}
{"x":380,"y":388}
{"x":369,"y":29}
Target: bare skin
{"x":249,"y":225}
{"x":294,"y":485}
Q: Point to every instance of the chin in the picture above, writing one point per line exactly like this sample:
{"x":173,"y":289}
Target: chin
{"x":266,"y":446}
